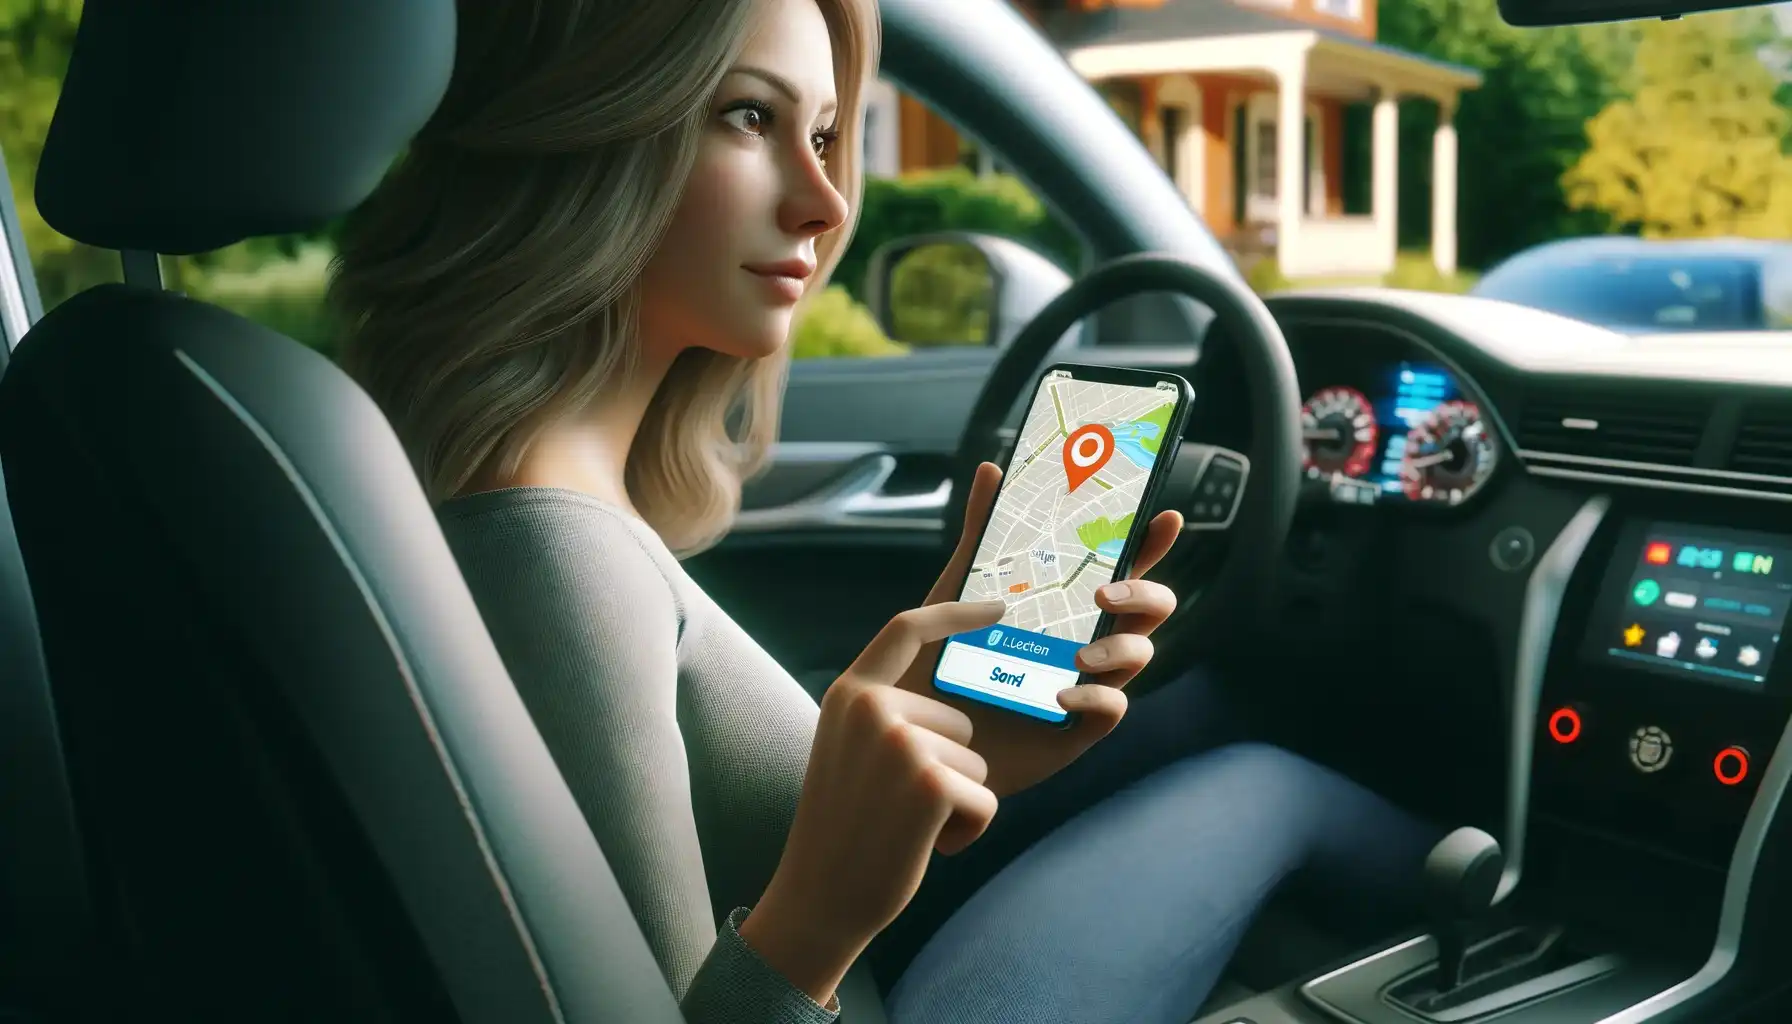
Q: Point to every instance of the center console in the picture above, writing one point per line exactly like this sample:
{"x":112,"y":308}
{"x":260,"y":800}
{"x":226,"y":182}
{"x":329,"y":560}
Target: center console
{"x":1666,"y":694}
{"x":1648,"y":709}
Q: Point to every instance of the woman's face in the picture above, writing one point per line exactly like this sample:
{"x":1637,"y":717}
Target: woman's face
{"x":740,"y":250}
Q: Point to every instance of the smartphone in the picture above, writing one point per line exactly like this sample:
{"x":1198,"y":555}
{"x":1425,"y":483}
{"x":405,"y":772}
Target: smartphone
{"x":1076,"y":496}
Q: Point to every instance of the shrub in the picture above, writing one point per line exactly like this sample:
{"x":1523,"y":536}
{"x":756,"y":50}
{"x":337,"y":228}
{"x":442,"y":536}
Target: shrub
{"x":832,"y":324}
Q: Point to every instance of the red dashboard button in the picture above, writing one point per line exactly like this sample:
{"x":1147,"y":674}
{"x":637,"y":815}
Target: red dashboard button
{"x":1730,"y":766}
{"x":1564,"y":725}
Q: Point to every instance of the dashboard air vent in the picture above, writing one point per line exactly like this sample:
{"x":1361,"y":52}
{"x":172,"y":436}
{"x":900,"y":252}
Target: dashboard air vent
{"x":1661,"y":430}
{"x":1763,"y":442}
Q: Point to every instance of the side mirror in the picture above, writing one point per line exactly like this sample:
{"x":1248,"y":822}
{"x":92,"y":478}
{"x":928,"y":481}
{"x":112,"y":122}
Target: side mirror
{"x":958,"y":288}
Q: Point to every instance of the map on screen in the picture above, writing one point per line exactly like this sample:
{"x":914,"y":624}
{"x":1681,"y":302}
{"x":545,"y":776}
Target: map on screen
{"x":1073,"y":488}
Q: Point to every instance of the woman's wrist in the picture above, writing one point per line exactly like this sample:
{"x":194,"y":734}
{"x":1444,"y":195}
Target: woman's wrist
{"x":799,"y":946}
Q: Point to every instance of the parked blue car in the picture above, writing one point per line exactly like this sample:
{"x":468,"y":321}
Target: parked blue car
{"x":1641,"y":286}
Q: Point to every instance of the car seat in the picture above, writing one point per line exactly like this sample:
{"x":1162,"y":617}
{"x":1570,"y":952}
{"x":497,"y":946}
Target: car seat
{"x":304,"y":786}
{"x":43,"y":895}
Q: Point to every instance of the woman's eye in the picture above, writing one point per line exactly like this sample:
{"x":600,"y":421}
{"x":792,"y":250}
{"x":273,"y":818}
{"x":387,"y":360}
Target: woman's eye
{"x":751,"y":120}
{"x":823,"y":143}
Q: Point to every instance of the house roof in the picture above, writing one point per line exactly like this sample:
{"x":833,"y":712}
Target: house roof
{"x":1197,"y":19}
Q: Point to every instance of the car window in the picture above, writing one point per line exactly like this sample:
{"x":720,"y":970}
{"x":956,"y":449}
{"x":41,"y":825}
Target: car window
{"x":923,"y":177}
{"x":1436,"y":140}
{"x":276,"y":281}
{"x":1648,"y":293}
{"x":35,"y":40}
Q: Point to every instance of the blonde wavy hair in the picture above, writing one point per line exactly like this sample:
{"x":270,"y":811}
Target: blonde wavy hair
{"x":488,"y":288}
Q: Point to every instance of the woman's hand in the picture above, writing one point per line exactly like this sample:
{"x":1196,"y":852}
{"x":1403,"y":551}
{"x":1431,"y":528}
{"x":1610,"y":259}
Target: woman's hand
{"x":890,"y":780}
{"x":1021,"y":752}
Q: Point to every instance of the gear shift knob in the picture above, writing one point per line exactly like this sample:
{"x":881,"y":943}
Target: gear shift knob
{"x":1462,"y":876}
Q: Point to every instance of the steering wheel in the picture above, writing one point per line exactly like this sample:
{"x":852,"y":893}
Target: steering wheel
{"x":1254,"y":512}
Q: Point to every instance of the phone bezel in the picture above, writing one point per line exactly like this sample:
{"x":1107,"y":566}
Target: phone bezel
{"x":1123,"y":375}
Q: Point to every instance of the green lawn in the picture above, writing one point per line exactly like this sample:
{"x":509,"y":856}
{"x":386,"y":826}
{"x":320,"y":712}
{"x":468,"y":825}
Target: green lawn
{"x":1412,"y":269}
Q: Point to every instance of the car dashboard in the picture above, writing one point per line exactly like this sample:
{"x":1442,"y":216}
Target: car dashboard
{"x":1542,"y":573}
{"x":1386,"y":421}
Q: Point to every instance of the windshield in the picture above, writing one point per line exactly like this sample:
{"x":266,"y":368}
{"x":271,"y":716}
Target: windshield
{"x":1415,"y":144}
{"x":1651,"y":293}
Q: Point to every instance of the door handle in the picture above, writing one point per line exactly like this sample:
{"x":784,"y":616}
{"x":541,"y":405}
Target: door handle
{"x":856,"y":501}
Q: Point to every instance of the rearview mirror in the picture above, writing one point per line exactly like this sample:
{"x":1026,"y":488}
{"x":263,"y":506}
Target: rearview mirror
{"x":1538,"y":13}
{"x":958,"y":288}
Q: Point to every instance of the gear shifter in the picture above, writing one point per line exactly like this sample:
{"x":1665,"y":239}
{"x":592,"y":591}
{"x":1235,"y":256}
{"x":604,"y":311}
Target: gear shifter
{"x":1513,"y":969}
{"x":1462,"y":875}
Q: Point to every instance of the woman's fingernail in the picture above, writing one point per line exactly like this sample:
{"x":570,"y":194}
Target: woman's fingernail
{"x":1118,"y":591}
{"x":1095,"y":657}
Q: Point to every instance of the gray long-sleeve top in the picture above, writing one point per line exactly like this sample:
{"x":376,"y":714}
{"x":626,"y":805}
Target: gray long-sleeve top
{"x":683,"y":741}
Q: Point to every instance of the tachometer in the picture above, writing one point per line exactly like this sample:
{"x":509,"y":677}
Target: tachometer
{"x":1449,"y":455}
{"x":1338,"y":426}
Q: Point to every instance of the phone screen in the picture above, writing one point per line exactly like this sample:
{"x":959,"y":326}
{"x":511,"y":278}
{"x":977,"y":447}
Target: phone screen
{"x":1083,"y":466}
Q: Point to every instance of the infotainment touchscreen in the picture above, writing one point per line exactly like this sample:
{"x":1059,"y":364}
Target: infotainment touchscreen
{"x":1695,"y":601}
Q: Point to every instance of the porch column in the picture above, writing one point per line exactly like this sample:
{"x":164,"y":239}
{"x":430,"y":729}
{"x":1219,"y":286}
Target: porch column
{"x":1291,"y":162}
{"x":1443,"y":188}
{"x":1385,"y":171}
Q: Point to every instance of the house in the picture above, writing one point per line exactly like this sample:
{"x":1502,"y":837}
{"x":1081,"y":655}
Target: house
{"x":1249,"y":105}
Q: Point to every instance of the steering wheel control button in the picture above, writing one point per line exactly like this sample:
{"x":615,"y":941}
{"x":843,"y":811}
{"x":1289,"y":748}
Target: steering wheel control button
{"x":1564,"y":725}
{"x":1217,"y":491}
{"x":1730,"y":766}
{"x":1512,"y":549}
{"x":1651,"y":748}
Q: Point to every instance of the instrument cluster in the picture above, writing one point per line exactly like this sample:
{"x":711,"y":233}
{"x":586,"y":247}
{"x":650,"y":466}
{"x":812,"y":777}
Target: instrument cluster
{"x":1400,"y":430}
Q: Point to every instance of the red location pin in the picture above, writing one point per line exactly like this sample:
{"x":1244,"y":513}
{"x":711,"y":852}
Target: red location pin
{"x":1086,"y":450}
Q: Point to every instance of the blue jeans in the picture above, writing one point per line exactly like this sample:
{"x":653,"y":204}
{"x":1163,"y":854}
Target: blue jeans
{"x":1125,"y":884}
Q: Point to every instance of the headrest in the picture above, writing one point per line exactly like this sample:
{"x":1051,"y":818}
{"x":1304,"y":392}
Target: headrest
{"x":187,"y":125}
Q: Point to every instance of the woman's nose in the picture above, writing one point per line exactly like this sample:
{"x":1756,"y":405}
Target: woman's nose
{"x":812,"y":206}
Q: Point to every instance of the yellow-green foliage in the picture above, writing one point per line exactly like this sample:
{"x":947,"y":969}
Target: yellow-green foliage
{"x":1696,"y":149}
{"x":832,"y":324}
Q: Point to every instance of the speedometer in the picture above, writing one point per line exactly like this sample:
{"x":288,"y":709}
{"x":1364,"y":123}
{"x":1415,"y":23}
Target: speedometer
{"x":1339,"y":432}
{"x":1449,"y":455}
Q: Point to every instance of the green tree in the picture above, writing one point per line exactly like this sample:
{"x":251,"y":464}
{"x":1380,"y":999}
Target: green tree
{"x":1697,"y":149}
{"x":1517,"y":133}
{"x":36,"y":38}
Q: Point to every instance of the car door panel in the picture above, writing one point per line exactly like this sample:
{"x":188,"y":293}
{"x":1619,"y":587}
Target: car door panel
{"x":894,"y":400}
{"x":801,"y":470}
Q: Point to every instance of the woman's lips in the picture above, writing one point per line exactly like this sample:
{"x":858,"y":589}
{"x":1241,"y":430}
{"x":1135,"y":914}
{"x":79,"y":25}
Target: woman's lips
{"x":785,"y":280}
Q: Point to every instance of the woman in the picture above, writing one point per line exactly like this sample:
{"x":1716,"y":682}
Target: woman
{"x":573,"y":298}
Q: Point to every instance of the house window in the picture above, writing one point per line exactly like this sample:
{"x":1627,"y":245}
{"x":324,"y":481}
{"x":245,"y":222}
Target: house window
{"x":1263,"y":183}
{"x":1339,"y":8}
{"x":1263,"y":163}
